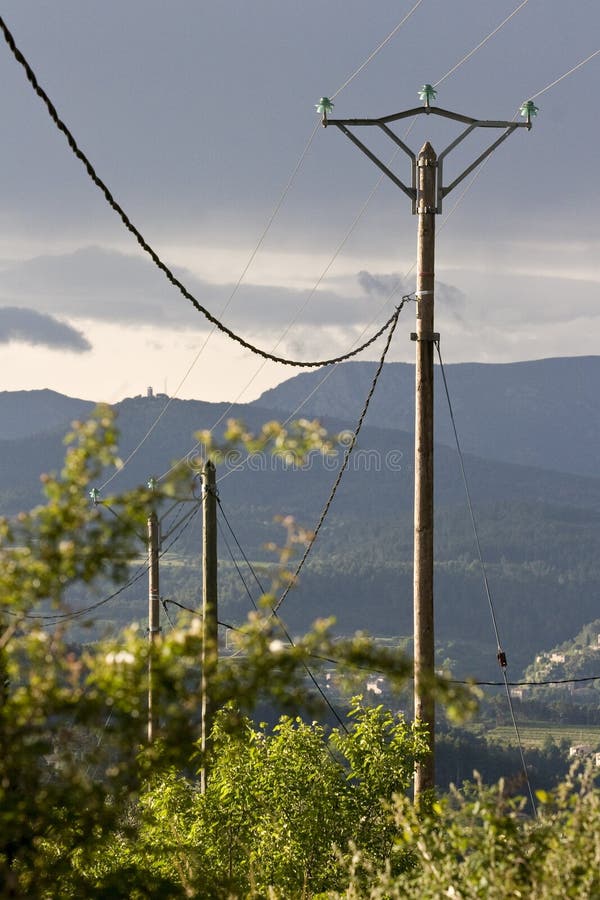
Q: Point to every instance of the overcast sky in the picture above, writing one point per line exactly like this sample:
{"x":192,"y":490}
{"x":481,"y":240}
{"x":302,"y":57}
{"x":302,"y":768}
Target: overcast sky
{"x":196,"y":113}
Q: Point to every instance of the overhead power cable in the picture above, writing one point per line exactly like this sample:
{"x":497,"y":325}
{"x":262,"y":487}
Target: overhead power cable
{"x":486,"y":161}
{"x":543,"y":683}
{"x":377,"y":49}
{"x":234,"y":560}
{"x":232,"y":294}
{"x":164,"y":268}
{"x":57,"y":618}
{"x":501,"y":655}
{"x":278,"y":618}
{"x":346,"y":460}
{"x":565,"y":74}
{"x":240,"y":548}
{"x":481,"y":43}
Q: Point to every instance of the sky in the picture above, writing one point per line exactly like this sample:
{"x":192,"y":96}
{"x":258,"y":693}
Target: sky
{"x":196,"y":114}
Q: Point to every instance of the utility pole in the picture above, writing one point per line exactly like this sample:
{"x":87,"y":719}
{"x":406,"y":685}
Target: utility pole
{"x":424,"y":641}
{"x":210,"y":627}
{"x":152,"y":539}
{"x":426,"y":193}
{"x":153,"y":615}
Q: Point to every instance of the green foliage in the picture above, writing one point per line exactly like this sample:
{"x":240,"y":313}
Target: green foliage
{"x":478,"y":845}
{"x":89,"y":809}
{"x":293,"y":443}
{"x":73,"y":755}
{"x":278,"y":805}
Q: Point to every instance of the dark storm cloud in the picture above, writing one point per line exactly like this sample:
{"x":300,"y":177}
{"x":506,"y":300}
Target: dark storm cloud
{"x":27,"y":326}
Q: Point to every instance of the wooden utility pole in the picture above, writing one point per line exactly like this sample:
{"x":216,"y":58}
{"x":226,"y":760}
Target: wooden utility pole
{"x":153,"y":615}
{"x":426,"y":192}
{"x":210,"y":627}
{"x":424,"y":646}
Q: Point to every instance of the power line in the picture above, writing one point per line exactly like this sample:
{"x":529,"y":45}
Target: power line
{"x":159,"y":263}
{"x":346,"y":460}
{"x":565,"y":74}
{"x":54,"y":619}
{"x":235,"y":563}
{"x":377,"y":49}
{"x":277,"y":617}
{"x":240,"y":548}
{"x":236,"y":287}
{"x":532,"y":683}
{"x":533,"y":97}
{"x":481,"y":43}
{"x":501,"y":655}
{"x":330,"y":368}
{"x":329,"y":371}
{"x":361,"y":213}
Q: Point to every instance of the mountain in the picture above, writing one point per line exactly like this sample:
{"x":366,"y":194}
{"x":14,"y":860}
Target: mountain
{"x":539,"y":527}
{"x":543,"y":413}
{"x":25,"y":413}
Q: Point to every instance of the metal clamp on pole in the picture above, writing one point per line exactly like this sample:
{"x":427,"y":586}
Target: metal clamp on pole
{"x":432,"y":336}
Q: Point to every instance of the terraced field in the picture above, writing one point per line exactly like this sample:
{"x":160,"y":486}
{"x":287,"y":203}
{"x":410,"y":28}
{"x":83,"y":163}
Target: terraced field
{"x":534,"y":735}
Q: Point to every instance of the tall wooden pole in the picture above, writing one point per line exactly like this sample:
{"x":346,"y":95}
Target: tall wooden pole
{"x":426,"y":192}
{"x":153,"y":614}
{"x":424,"y":649}
{"x":210,"y":628}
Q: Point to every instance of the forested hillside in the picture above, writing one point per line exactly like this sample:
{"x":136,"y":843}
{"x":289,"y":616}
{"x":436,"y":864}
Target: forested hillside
{"x":539,"y":528}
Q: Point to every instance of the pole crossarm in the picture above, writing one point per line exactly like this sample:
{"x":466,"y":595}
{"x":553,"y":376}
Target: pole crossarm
{"x":383,"y":122}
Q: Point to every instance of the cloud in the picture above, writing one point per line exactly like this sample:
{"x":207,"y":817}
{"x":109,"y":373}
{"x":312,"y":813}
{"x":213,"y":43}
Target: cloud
{"x":452,"y":299}
{"x":382,"y":285}
{"x":27,"y":326}
{"x":106,"y":285}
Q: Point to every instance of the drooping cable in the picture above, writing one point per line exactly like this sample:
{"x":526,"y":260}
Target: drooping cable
{"x":329,"y":372}
{"x":374,"y":318}
{"x":278,"y":619}
{"x":56,"y":618}
{"x":345,"y":462}
{"x":500,"y":652}
{"x":156,"y":259}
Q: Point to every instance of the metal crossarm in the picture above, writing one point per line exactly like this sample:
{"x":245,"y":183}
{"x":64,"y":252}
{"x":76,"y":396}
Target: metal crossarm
{"x":383,"y":123}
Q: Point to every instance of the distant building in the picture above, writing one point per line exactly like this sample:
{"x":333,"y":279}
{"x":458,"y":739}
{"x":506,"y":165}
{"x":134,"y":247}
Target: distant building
{"x":580,"y":750}
{"x":149,"y":393}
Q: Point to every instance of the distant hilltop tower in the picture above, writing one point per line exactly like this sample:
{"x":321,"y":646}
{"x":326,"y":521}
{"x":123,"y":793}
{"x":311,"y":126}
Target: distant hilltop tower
{"x":149,"y":393}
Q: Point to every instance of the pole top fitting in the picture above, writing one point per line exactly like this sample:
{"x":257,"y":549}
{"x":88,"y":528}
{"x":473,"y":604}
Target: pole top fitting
{"x":95,"y":496}
{"x":324,"y":106}
{"x":427,"y":155}
{"x":529,"y":110}
{"x":152,"y":483}
{"x":427,"y":93}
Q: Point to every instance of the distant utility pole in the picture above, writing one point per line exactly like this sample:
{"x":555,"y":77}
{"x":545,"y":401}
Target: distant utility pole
{"x":152,"y":539}
{"x":153,"y":614}
{"x":210,"y":627}
{"x":426,"y":193}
